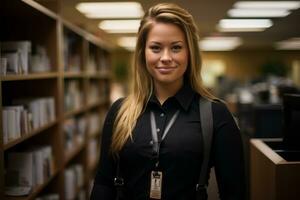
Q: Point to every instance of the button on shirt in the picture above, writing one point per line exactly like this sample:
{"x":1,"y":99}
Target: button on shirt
{"x":180,"y":154}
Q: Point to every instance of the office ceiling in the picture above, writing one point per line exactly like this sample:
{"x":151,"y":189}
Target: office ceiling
{"x":207,"y":13}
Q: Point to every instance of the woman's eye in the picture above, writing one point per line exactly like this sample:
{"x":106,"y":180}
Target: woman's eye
{"x":155,"y":48}
{"x":176,"y":48}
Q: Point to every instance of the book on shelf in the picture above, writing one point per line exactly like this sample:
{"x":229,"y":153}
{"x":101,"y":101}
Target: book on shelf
{"x":73,"y":96}
{"x":71,"y":56}
{"x":29,"y":168}
{"x":52,"y":196}
{"x":44,"y":163}
{"x":5,"y":126}
{"x":39,"y":61}
{"x":3,"y":65}
{"x":20,"y":169}
{"x":69,"y":132}
{"x":17,"y":190}
{"x":25,"y":116}
{"x":93,"y":151}
{"x":74,"y":130}
{"x":42,"y":109}
{"x":13,"y":117}
{"x":103,"y":63}
{"x":74,"y":179}
{"x":78,"y":169}
{"x":81,"y":195}
{"x":19,"y":59}
{"x":13,"y":62}
{"x":48,"y":161}
{"x":81,"y":128}
{"x":70,"y":186}
{"x":93,"y":123}
{"x":18,"y":54}
{"x":93,"y":95}
{"x":91,"y":66}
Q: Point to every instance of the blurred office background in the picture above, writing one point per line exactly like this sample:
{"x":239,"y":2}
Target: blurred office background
{"x":251,"y":58}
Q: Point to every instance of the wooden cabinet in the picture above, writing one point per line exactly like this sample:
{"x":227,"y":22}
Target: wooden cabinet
{"x":274,"y":172}
{"x":77,"y":82}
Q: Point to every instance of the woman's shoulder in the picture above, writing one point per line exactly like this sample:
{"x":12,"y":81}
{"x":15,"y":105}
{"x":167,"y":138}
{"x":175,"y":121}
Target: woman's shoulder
{"x":116,"y":104}
{"x":221,"y":113}
{"x":111,"y":114}
{"x":220,"y":108}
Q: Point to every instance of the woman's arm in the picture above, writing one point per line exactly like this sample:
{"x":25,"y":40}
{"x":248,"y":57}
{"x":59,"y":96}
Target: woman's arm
{"x":103,"y":184}
{"x":227,"y":155}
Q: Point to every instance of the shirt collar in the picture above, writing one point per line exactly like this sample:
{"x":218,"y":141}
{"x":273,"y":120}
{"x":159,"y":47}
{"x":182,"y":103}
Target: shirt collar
{"x":184,"y":96}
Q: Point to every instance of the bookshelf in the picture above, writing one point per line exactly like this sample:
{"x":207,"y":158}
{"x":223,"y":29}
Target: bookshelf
{"x":59,"y":99}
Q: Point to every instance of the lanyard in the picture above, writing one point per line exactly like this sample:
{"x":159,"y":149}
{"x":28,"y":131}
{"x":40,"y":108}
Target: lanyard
{"x":156,"y":142}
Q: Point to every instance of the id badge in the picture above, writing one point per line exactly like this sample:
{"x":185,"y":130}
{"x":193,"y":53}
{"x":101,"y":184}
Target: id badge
{"x":156,"y":181}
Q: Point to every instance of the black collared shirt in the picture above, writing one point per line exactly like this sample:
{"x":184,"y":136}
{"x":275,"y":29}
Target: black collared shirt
{"x":180,"y":155}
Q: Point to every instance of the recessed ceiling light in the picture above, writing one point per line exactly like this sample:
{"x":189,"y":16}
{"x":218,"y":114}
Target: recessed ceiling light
{"x":111,"y":9}
{"x":290,"y":44}
{"x":228,"y":25}
{"x":120,"y":26}
{"x":290,"y":5}
{"x":258,"y":13}
{"x":127,"y":43}
{"x":219,"y":43}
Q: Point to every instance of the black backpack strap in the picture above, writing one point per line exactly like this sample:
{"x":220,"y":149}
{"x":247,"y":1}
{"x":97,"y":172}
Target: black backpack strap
{"x":206,"y":118}
{"x":118,"y":182}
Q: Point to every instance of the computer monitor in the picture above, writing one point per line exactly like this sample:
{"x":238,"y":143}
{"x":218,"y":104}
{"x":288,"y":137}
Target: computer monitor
{"x":291,"y":113}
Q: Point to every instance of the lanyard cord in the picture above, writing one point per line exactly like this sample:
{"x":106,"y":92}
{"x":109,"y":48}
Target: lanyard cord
{"x":156,"y":142}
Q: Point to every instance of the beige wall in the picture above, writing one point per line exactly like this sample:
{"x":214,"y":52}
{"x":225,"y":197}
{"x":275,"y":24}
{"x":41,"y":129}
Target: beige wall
{"x":241,"y":65}
{"x":244,"y":65}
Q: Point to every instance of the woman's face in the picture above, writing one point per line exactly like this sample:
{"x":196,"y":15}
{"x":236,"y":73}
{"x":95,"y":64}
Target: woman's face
{"x":166,"y":54}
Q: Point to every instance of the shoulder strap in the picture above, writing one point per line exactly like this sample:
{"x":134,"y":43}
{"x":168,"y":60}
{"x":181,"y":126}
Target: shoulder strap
{"x":207,"y":132}
{"x":118,"y":181}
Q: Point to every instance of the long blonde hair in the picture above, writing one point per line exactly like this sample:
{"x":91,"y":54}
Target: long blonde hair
{"x":141,"y":81}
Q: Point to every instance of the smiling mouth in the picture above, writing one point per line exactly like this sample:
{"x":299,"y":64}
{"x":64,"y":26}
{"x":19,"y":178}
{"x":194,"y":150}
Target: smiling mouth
{"x":165,"y":70}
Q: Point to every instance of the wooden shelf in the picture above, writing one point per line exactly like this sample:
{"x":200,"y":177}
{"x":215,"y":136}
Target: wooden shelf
{"x":94,"y":134}
{"x":95,"y":104}
{"x":36,"y":76}
{"x":77,"y":191}
{"x":70,"y":154}
{"x":36,"y":191}
{"x":92,"y":165}
{"x":27,"y":136}
{"x":67,"y":47}
{"x":74,"y":75}
{"x":84,"y":108}
{"x":98,"y":75}
{"x":74,"y":112}
{"x":41,"y":8}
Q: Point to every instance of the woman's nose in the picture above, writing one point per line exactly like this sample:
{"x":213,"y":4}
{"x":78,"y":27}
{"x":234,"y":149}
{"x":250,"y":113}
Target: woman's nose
{"x":166,"y":56}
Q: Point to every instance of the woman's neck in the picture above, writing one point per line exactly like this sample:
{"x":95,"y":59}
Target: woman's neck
{"x":164,"y":91}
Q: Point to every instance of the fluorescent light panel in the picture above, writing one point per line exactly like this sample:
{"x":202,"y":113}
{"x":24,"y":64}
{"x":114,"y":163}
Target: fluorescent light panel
{"x":120,"y":26}
{"x":258,"y":12}
{"x":111,"y":9}
{"x":240,"y":25}
{"x":128,"y":43}
{"x":290,"y":44}
{"x":219,"y":43}
{"x":289,"y":5}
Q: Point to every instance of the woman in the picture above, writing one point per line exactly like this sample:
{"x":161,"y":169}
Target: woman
{"x":166,"y":86}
